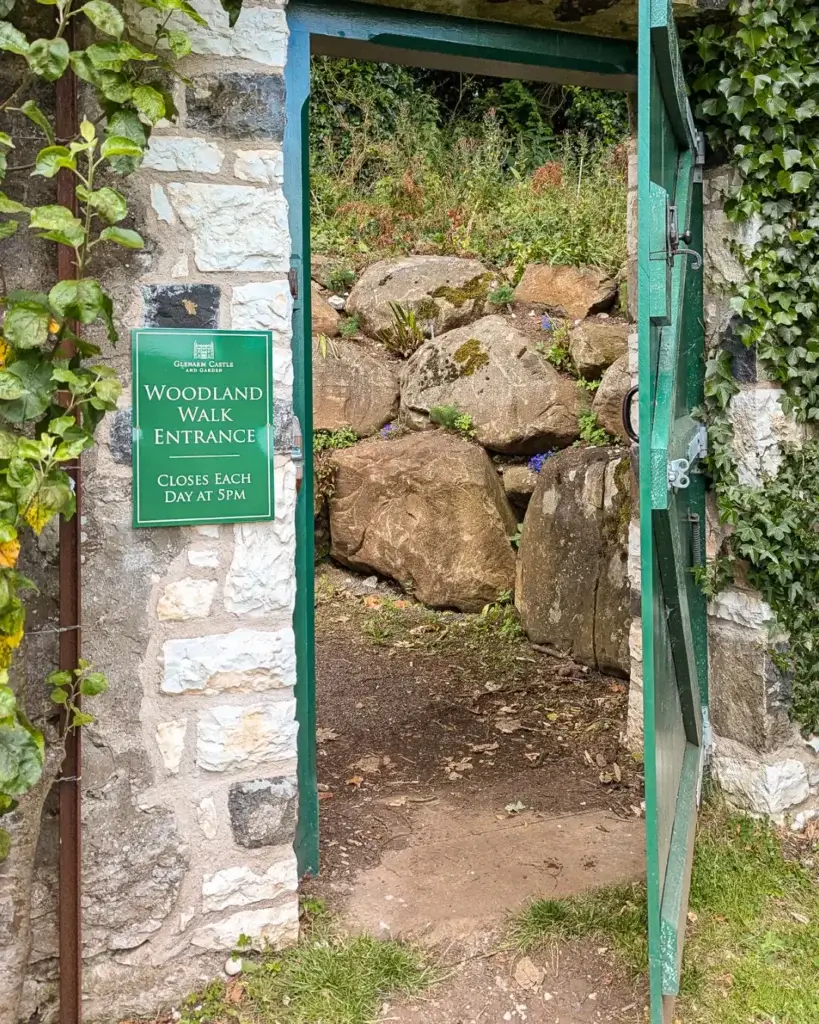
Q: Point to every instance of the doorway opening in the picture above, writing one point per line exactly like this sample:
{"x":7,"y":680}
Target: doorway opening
{"x":473,"y":494}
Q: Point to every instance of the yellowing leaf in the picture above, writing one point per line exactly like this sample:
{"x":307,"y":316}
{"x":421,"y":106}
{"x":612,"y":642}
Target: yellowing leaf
{"x":9,"y":553}
{"x":37,"y":516}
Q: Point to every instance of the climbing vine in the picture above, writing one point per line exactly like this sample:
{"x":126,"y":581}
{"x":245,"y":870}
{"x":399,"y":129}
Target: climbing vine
{"x":756,"y":92}
{"x":54,"y":391}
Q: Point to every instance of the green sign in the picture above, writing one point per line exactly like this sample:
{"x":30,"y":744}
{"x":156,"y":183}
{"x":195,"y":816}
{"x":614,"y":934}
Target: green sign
{"x":203,"y":427}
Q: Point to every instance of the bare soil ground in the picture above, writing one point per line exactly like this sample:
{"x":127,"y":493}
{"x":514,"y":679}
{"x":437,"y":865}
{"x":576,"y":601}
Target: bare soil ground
{"x":464,"y":773}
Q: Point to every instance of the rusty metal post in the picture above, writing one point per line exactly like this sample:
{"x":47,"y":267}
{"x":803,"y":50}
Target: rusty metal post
{"x":70,"y":861}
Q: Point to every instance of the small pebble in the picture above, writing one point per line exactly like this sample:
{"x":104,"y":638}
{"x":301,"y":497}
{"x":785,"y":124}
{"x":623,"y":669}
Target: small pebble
{"x":233,"y":966}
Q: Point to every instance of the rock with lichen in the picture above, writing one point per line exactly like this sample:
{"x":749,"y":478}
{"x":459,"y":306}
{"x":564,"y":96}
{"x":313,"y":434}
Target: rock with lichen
{"x":443,"y":292}
{"x":519,"y":404}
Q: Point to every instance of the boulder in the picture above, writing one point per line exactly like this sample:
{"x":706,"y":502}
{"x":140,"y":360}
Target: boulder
{"x":608,"y":401}
{"x":355,"y":385}
{"x":572,"y":582}
{"x":518,"y":402}
{"x":443,"y":291}
{"x":325,"y":318}
{"x":429,"y":511}
{"x":519,"y":483}
{"x":596,"y":344}
{"x":575,"y":291}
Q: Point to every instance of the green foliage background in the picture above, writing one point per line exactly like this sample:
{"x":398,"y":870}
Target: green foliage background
{"x":410,"y":160}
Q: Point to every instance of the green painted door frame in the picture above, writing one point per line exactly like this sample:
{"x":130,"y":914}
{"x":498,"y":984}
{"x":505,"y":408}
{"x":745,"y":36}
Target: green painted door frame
{"x":671,"y":367}
{"x":369,"y":33}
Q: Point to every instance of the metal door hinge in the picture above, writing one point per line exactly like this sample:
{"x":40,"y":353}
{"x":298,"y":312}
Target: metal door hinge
{"x":698,"y":445}
{"x":699,"y":160}
{"x":297,"y":452}
{"x":678,"y":470}
{"x":674,"y":237}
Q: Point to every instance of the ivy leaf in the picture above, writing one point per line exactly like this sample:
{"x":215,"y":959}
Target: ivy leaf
{"x":111,"y":56}
{"x":10,"y":388}
{"x":6,"y":7}
{"x":12,"y":39}
{"x":78,"y":300}
{"x":26,"y":324}
{"x":5,"y":838}
{"x":105,"y":16}
{"x":48,"y":58}
{"x":81,"y":718}
{"x":118,"y":145}
{"x":51,"y":159}
{"x":179,"y":43}
{"x":8,"y":205}
{"x":233,"y":8}
{"x":94,"y":684}
{"x":149,"y":102}
{"x":33,"y":113}
{"x":58,"y":696}
{"x":8,"y":702}
{"x":7,"y":228}
{"x":123,"y":236}
{"x":111,"y":205}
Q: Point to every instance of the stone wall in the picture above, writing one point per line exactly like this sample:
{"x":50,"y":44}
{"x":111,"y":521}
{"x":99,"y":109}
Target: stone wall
{"x":189,"y":780}
{"x":758,"y":757}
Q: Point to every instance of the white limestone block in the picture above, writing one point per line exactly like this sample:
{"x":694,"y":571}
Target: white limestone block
{"x":178,"y":153}
{"x":186,"y":599}
{"x":244,"y":661}
{"x":261,"y":578}
{"x":161,"y":205}
{"x":264,"y":166}
{"x":744,"y":607}
{"x":769,"y":789}
{"x":234,"y":227}
{"x":760,"y":429}
{"x":203,"y":558}
{"x":170,"y":738}
{"x":260,"y":34}
{"x":274,"y":927}
{"x":241,"y":886}
{"x":262,"y":306}
{"x":246,"y":736}
{"x":206,"y":817}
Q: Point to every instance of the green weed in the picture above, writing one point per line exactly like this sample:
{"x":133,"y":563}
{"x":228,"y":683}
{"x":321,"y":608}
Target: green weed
{"x":405,"y":334}
{"x":325,"y":440}
{"x":350,"y":326}
{"x":590,"y":430}
{"x":502,"y":295}
{"x":451,"y":418}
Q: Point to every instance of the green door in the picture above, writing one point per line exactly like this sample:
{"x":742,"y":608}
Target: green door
{"x":672,"y":512}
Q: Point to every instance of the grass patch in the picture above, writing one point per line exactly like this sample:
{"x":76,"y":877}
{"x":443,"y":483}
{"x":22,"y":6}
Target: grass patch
{"x":752,"y":952}
{"x":325,"y":978}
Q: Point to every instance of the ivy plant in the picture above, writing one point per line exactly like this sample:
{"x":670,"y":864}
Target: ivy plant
{"x":756,"y":92}
{"x":54,"y":390}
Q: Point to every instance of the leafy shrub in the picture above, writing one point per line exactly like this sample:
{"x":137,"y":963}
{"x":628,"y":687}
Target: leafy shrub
{"x":350,"y":326}
{"x":502,"y":295}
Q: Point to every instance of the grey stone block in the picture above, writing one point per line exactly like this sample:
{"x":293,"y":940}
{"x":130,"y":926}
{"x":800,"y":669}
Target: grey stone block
{"x":238,"y":105}
{"x":120,"y":436}
{"x":181,"y":305}
{"x":263,"y":812}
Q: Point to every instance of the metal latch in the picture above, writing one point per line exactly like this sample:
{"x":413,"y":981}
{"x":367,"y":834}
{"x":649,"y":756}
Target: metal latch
{"x":674,"y":237}
{"x":698,"y":445}
{"x":297,"y":452}
{"x":678,"y":470}
{"x":699,"y":160}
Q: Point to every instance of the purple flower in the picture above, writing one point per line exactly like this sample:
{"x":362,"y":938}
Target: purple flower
{"x":390,"y":428}
{"x":546,"y":322}
{"x":535,"y":464}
